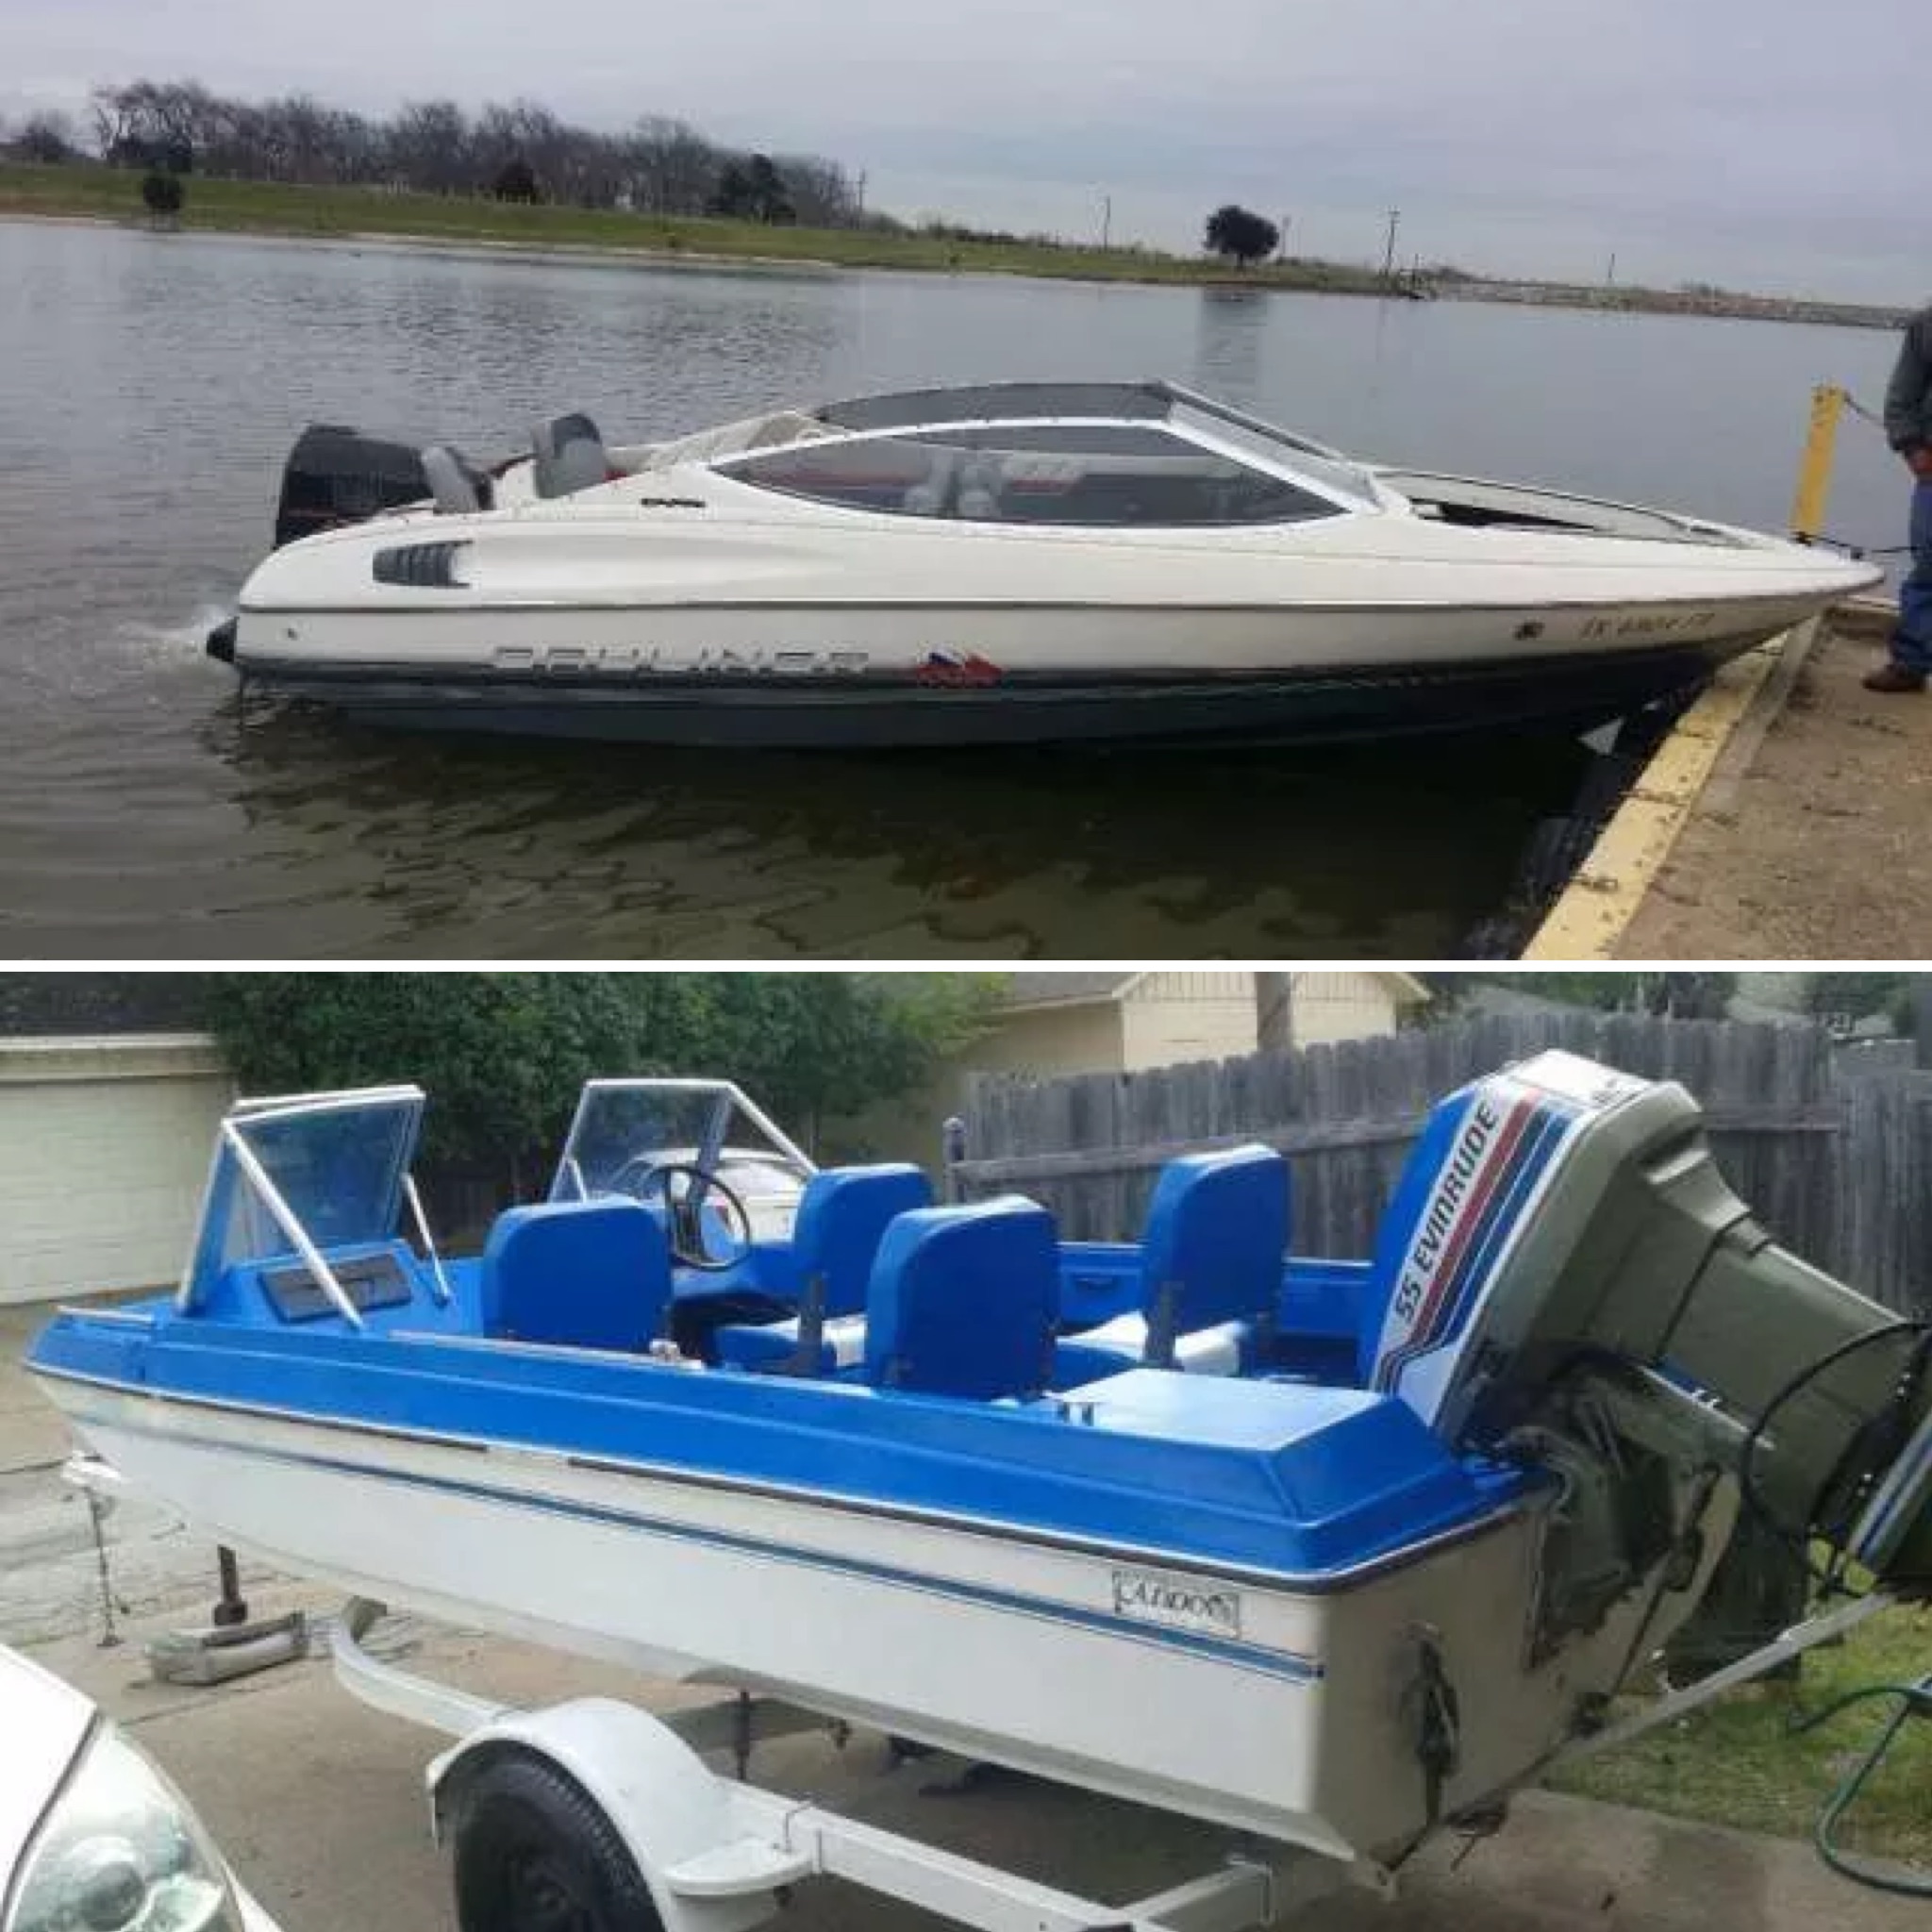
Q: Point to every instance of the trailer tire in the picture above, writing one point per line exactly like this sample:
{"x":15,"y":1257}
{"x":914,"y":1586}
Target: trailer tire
{"x":531,"y":1852}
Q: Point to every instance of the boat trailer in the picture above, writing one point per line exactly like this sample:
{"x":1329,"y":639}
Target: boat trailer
{"x":622,"y":1803}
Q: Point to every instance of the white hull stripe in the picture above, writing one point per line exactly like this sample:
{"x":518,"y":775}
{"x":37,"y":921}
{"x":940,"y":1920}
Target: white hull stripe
{"x":1244,"y":1656}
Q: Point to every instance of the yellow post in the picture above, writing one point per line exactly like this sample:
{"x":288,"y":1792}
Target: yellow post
{"x":1815,"y":467}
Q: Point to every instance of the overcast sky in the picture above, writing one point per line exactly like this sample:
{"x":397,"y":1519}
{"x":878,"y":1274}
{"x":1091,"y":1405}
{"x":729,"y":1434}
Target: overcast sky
{"x":1726,"y":140}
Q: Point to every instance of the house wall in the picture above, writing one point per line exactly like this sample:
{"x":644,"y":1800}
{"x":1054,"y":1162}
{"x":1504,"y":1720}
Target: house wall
{"x":1342,"y":1006}
{"x":1083,"y":1038}
{"x":1166,"y":1019}
{"x":1045,"y":1042}
{"x":104,"y":1153}
{"x":1171,"y":1017}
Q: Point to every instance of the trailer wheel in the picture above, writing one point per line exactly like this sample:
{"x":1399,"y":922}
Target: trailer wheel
{"x":532,"y":1853}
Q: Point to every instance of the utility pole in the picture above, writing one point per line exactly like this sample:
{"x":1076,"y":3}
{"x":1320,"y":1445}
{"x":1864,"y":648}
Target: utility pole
{"x":1281,"y":247}
{"x":1610,"y":272}
{"x":1105,"y":219}
{"x":862,"y":194}
{"x":1389,"y":253}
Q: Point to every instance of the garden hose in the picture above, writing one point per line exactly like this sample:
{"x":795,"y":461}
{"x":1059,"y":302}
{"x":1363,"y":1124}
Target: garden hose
{"x":1914,"y":1700}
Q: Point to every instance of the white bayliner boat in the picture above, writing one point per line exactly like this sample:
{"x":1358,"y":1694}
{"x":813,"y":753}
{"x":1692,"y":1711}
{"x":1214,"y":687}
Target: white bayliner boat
{"x":1335,"y":1553}
{"x":1023,"y":562}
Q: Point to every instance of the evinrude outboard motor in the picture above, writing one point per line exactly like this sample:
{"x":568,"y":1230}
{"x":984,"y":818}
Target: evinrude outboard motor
{"x":1573,"y":1284}
{"x":333,"y":476}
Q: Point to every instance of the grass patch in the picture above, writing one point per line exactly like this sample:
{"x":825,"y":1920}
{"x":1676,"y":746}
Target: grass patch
{"x":89,"y":189}
{"x":1735,"y":1762}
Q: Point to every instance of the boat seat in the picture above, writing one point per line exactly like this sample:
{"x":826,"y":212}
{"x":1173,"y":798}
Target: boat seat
{"x":842,"y":1217}
{"x":570,"y":456}
{"x":1211,"y":1266}
{"x":580,"y":1274}
{"x":962,"y":1301}
{"x":934,"y":497}
{"x":458,"y":485}
{"x":980,"y":489}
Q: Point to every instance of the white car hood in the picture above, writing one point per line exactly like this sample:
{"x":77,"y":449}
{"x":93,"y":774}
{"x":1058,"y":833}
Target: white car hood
{"x":45,"y":1723}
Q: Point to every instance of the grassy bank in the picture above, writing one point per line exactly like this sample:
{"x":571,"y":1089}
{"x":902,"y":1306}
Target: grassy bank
{"x":271,"y":208}
{"x":1735,"y":1762}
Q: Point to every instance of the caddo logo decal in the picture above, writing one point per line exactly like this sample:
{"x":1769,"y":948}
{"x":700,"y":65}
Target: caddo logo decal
{"x":1177,"y":1603}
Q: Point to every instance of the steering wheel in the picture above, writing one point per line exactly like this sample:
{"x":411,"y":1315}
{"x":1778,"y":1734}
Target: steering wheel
{"x":687,"y":1226}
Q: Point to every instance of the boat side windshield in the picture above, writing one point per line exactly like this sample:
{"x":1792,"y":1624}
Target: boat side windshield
{"x":626,"y":1130}
{"x":1332,"y":471}
{"x":328,"y":1173}
{"x":1088,"y":473}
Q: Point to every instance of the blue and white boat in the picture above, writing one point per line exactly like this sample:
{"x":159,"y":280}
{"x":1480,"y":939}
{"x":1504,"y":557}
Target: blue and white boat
{"x":1328,"y":1552}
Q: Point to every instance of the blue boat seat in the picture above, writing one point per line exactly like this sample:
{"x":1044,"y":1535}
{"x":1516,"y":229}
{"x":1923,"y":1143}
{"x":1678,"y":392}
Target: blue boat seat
{"x":1210,"y":1270}
{"x":963,"y":1301}
{"x":842,"y":1217}
{"x":579,"y":1274}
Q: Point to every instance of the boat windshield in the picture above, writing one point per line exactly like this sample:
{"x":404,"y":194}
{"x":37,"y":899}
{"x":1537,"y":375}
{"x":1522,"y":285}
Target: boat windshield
{"x":1248,"y":434}
{"x":1107,"y":476}
{"x":293,"y":1178}
{"x":625,"y":1130}
{"x":1085,"y":455}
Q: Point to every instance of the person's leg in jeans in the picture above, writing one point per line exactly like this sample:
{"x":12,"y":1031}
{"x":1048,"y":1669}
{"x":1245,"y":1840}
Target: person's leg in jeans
{"x":1911,"y":643}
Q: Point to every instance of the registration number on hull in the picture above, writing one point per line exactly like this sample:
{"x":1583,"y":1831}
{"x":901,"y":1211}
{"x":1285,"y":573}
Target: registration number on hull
{"x":1662,"y":624}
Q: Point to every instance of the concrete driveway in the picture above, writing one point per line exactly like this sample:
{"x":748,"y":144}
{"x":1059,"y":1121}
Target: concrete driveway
{"x":319,"y":1804}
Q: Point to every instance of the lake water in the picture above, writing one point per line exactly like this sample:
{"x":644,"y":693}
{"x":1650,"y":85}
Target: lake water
{"x":151,"y":384}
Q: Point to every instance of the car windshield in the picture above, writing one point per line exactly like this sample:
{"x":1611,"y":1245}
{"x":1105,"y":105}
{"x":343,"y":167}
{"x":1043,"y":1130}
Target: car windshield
{"x":626,"y":1130}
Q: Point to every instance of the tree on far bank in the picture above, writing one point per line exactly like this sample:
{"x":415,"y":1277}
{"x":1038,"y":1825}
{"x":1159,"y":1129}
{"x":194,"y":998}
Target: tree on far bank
{"x":162,"y":194}
{"x":46,"y":138}
{"x":516,"y":181}
{"x":1239,"y":235}
{"x":659,"y":166}
{"x":752,"y":191}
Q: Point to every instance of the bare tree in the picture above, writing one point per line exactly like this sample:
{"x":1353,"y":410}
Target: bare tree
{"x":430,"y":146}
{"x":47,"y":136}
{"x":111,"y":112}
{"x":674,"y":167}
{"x":659,"y":166}
{"x":821,"y":192}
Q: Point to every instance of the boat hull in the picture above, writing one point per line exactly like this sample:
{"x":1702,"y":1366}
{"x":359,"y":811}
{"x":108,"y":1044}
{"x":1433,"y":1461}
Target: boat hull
{"x":721,"y":709}
{"x":1259,"y":1703}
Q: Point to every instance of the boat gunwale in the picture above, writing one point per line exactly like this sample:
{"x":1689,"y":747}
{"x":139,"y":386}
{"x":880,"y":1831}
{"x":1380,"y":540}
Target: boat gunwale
{"x":1492,"y":1518}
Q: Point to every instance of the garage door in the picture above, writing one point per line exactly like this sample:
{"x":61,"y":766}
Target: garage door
{"x":103,"y":1152}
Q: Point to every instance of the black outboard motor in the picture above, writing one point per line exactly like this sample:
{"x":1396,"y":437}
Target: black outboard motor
{"x":333,"y":476}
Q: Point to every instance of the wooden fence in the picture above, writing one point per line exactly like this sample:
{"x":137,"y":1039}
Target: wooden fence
{"x":1833,"y":1156}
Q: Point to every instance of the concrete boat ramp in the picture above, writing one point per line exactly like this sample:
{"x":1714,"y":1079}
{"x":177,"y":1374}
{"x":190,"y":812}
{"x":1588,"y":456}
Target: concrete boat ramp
{"x":1787,"y":816}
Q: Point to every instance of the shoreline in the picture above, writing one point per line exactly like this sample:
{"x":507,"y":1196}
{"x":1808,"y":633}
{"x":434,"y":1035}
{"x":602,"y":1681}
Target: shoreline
{"x":339,"y":218}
